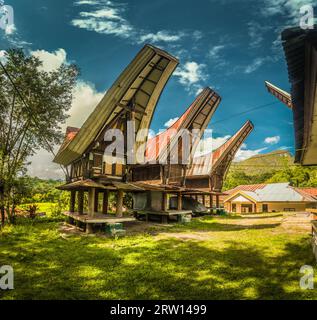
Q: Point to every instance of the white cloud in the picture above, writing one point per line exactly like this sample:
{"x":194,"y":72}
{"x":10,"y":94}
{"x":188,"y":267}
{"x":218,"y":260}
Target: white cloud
{"x":10,"y":29}
{"x":198,"y":91}
{"x":210,"y":144}
{"x":86,"y":2}
{"x":256,"y":64}
{"x":42,"y":166}
{"x":244,"y":153}
{"x":214,"y":52}
{"x":272,"y":140}
{"x":256,"y":33}
{"x":170,"y":122}
{"x":85,"y":99}
{"x":191,"y":74}
{"x":160,"y":36}
{"x":51,"y":60}
{"x":287,"y":8}
{"x":3,"y":56}
{"x":108,"y":13}
{"x":107,"y":17}
{"x":198,"y":35}
{"x":116,"y":28}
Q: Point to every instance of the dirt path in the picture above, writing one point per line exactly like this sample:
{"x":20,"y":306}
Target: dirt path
{"x":297,"y":222}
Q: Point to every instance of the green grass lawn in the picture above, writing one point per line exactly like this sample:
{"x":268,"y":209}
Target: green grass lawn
{"x":254,"y":257}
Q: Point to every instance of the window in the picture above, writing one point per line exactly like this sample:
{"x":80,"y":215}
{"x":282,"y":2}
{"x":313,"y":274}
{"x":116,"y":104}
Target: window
{"x":234,"y":207}
{"x":265,"y":208}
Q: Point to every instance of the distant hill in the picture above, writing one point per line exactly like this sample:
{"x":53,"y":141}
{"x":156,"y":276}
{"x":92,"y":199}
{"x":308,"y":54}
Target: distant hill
{"x":264,"y":163}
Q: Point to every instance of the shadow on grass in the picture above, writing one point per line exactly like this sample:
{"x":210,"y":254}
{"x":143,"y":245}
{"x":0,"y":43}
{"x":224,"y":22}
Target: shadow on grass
{"x":214,"y":225}
{"x":49,"y":267}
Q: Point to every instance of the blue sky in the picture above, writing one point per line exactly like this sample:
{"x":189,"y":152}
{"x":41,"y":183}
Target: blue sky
{"x":229,"y":45}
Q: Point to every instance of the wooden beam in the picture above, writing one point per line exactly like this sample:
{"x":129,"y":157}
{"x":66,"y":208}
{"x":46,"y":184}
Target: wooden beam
{"x":72,"y":201}
{"x":128,"y":109}
{"x":80,"y":201}
{"x":119,"y":211}
{"x":204,"y":200}
{"x":105,"y":202}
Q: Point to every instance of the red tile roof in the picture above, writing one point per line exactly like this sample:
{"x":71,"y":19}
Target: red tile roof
{"x":247,"y":187}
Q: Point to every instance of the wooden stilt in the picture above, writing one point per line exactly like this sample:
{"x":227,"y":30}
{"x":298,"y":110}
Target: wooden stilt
{"x":164,"y":204}
{"x":179,"y":202}
{"x":72,"y":201}
{"x":91,"y":201}
{"x":105,"y":202}
{"x":211,"y":201}
{"x":96,"y":202}
{"x":89,"y":228}
{"x":204,"y":200}
{"x":119,"y":212}
{"x":217,"y":201}
{"x":80,"y":201}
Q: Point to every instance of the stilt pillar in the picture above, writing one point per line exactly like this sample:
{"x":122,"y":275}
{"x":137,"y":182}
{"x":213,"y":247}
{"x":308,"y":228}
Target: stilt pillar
{"x":211,"y":201}
{"x":72,"y":201}
{"x":204,"y":200}
{"x":91,"y":201}
{"x":164,"y":204}
{"x":179,"y":201}
{"x":119,"y":211}
{"x":89,"y":228}
{"x":80,"y":201}
{"x":105,"y":202}
{"x":96,"y":201}
{"x":217,"y":201}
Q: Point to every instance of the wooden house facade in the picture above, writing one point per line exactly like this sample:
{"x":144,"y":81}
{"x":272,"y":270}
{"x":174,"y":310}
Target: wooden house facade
{"x":149,"y":169}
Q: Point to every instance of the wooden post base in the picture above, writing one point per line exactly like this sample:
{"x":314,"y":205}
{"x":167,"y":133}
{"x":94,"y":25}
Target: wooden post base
{"x":89,"y":228}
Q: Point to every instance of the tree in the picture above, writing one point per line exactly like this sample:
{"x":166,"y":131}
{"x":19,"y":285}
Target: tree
{"x":33,"y":105}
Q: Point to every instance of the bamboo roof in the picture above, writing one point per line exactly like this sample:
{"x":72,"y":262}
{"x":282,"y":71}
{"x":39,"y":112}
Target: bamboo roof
{"x":197,"y":116}
{"x":280,"y":94}
{"x":206,"y":164}
{"x":140,"y":84}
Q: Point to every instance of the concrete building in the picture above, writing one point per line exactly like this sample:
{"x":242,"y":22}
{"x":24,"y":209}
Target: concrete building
{"x":275,"y":197}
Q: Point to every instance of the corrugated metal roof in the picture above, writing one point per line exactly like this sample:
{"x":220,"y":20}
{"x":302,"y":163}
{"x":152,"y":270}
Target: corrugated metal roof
{"x":274,"y":192}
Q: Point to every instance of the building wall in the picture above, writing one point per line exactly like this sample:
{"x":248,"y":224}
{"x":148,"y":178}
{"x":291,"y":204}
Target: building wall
{"x":272,"y":206}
